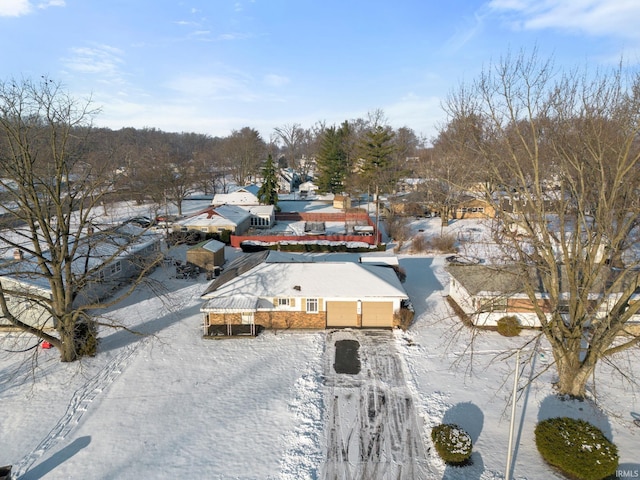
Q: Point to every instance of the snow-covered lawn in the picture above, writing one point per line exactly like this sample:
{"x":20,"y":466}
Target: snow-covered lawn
{"x":170,"y":404}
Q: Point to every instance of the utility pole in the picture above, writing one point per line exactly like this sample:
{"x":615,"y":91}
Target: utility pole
{"x":377,"y":217}
{"x":513,"y":416}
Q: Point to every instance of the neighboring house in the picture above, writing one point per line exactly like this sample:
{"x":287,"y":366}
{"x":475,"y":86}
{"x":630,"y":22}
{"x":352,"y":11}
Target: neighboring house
{"x":307,"y":189}
{"x":113,"y":255}
{"x":486,"y":293}
{"x":409,"y":184}
{"x":274,"y":290}
{"x":207,"y":255}
{"x":247,"y":195}
{"x":232,"y":218}
{"x":473,"y":207}
{"x":262,"y":216}
{"x":288,"y":180}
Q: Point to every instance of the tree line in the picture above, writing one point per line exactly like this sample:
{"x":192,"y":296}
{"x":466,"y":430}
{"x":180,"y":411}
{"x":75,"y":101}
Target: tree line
{"x":564,"y":147}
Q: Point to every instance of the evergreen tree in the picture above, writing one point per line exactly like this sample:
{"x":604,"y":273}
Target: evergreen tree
{"x":376,"y":152}
{"x":333,"y":159}
{"x":268,"y":193}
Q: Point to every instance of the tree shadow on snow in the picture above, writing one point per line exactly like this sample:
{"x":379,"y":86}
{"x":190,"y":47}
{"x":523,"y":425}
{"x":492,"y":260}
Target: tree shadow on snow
{"x":469,"y":417}
{"x":558,"y":406}
{"x":57,"y":459}
{"x":121,"y":337}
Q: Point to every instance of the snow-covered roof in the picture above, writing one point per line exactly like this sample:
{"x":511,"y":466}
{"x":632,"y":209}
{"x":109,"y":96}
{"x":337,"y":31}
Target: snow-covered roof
{"x":101,"y":247}
{"x":247,"y":195}
{"x":222,"y":216}
{"x":261,"y":209}
{"x":308,"y":279}
{"x":212,"y":245}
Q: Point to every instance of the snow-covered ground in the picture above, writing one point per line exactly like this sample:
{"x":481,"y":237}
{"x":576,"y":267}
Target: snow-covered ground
{"x":169,"y":404}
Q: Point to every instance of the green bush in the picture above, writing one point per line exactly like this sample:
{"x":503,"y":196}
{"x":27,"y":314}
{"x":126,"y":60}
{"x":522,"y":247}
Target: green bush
{"x":577,"y":448}
{"x":509,"y":326}
{"x":452,"y":443}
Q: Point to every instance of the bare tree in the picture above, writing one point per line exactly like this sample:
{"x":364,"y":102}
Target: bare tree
{"x":244,"y":151}
{"x":293,"y":136}
{"x":565,"y":147}
{"x":50,"y":194}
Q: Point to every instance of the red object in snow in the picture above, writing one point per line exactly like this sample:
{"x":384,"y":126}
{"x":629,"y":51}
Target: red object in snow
{"x":46,"y":345}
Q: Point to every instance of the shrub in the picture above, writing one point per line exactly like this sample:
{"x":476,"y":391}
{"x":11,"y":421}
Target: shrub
{"x":444,"y":243}
{"x":452,"y":443}
{"x":419,"y":243}
{"x":509,"y":326}
{"x":403,"y":318}
{"x":577,"y":448}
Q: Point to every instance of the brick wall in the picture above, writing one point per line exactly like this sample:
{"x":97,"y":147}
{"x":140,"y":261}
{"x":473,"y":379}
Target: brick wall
{"x":276,"y":320}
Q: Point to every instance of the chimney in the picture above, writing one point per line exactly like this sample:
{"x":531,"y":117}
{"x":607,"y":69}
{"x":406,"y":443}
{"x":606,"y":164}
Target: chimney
{"x":18,"y":254}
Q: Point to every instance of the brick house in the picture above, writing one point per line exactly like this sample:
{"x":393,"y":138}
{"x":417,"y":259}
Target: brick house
{"x":486,"y":293}
{"x":276,"y":290}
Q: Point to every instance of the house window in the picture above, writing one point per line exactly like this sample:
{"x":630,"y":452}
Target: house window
{"x":283,"y":302}
{"x":312,"y":305}
{"x":115,"y":267}
{"x":495,"y":305}
{"x":101,"y":275}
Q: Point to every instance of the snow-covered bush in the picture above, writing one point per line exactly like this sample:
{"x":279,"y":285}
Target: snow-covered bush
{"x":452,"y":443}
{"x":577,"y":448}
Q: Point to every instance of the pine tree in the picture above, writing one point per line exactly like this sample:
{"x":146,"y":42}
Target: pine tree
{"x":268,"y":193}
{"x":333,"y":160}
{"x":376,"y":151}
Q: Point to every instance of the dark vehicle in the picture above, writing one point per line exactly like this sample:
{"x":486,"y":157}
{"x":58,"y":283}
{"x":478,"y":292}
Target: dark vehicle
{"x":144,"y":222}
{"x":461,"y":260}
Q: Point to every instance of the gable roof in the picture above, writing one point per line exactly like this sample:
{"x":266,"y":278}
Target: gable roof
{"x":507,"y":280}
{"x":305,"y":280}
{"x":210,"y":245}
{"x":247,"y":195}
{"x":222,"y":216}
{"x":253,"y":277}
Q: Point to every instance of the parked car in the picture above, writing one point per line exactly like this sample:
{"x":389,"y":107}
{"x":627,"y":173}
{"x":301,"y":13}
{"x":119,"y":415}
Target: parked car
{"x":462,"y":260}
{"x":144,"y":222}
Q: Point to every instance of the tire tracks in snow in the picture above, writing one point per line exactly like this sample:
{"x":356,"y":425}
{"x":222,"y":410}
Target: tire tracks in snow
{"x":373,"y":429}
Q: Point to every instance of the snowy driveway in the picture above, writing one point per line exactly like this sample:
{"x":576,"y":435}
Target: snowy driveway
{"x":373,"y":430}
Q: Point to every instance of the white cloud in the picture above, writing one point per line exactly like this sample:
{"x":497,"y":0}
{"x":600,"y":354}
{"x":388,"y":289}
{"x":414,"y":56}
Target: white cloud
{"x":592,"y":17}
{"x":219,"y":87}
{"x":14,"y":8}
{"x":274,"y":80}
{"x":102,"y":59}
{"x":52,"y":3}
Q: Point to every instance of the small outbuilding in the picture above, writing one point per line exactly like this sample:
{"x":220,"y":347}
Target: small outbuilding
{"x":342,"y":202}
{"x":207,"y":255}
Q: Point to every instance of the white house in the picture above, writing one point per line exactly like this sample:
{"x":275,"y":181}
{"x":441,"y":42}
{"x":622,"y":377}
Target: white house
{"x":106,"y":260}
{"x":247,"y":195}
{"x":233,"y":218}
{"x":487,"y":293}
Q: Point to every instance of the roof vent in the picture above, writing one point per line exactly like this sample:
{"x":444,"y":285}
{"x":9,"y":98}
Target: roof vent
{"x":297,"y":287}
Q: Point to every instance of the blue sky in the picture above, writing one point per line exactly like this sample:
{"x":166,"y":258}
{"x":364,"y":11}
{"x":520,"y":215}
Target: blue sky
{"x":212,"y":66}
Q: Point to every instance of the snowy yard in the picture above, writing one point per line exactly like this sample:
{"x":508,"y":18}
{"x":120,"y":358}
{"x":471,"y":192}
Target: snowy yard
{"x":170,"y":404}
